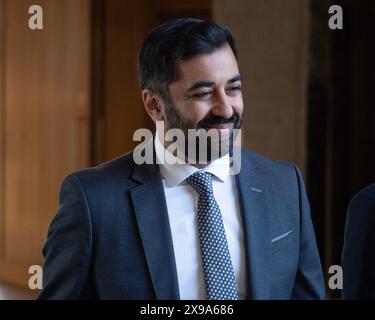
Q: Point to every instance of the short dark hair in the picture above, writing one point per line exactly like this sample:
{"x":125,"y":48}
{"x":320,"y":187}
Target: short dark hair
{"x":175,"y":42}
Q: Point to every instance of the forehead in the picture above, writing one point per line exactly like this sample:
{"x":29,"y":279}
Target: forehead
{"x":217,"y":66}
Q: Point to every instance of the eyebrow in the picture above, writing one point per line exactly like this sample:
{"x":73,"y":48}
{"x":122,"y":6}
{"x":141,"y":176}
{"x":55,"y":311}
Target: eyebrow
{"x":206,"y":83}
{"x":234,"y":79}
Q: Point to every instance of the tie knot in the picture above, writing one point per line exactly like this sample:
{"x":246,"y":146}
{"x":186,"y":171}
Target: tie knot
{"x":201,"y":182}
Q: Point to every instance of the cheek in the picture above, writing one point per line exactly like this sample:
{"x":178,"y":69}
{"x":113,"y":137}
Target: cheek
{"x":238,"y":104}
{"x":196,"y":111}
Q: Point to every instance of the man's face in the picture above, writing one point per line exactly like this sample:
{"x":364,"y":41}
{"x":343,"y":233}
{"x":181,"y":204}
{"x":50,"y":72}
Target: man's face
{"x":207,"y":94}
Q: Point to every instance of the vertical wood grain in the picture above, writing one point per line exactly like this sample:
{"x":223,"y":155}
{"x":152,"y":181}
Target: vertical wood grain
{"x":2,"y":39}
{"x":46,"y":109}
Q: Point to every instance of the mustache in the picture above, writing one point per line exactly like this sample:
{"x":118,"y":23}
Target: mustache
{"x":213,"y":120}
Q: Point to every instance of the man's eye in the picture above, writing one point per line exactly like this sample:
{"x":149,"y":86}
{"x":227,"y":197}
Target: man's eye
{"x":235,"y":89}
{"x":202,"y":94}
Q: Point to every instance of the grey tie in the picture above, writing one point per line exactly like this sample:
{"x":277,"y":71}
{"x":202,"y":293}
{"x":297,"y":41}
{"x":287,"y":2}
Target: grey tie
{"x":217,"y":264}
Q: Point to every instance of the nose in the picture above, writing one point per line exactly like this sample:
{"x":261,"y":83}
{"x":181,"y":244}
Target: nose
{"x":222,"y":105}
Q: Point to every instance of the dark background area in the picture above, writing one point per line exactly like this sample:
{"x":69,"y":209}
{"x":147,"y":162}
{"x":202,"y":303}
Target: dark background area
{"x":341,"y":118}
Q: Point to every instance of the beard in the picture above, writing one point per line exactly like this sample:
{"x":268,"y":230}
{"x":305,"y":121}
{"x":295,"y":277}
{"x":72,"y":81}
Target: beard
{"x":203,"y":144}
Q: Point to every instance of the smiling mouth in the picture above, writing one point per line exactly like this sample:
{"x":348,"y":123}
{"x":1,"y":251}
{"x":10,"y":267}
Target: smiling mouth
{"x":221,"y":128}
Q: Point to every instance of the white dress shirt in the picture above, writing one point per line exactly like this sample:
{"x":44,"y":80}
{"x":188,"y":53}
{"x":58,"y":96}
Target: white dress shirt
{"x":182,"y":203}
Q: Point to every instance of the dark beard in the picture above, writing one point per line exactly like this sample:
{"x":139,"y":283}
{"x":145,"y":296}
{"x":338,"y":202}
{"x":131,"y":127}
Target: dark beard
{"x":215,"y":147}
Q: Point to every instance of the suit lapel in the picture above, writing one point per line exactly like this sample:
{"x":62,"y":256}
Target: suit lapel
{"x":152,"y":218}
{"x":252,"y":193}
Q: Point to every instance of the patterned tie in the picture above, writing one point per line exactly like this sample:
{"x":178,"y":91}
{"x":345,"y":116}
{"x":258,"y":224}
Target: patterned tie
{"x":217,"y":264}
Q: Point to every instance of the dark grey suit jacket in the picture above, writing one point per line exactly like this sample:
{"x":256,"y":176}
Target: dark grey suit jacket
{"x":111,"y":237}
{"x":358,"y":256}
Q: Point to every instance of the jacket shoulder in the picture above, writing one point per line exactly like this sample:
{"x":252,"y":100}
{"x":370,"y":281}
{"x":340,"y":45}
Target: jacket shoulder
{"x":276,"y":174}
{"x":366,"y":193}
{"x":363,"y":203}
{"x":111,"y":171}
{"x":266,"y":165}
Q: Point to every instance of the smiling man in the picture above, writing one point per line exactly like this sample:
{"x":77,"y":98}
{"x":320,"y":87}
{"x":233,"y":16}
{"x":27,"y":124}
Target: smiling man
{"x":191,"y":229}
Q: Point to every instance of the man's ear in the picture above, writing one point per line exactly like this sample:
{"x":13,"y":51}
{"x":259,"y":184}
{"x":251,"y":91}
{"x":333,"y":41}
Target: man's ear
{"x":153,"y":105}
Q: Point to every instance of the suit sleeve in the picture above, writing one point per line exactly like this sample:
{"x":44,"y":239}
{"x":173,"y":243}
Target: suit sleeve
{"x":309,"y":283}
{"x":68,"y":249}
{"x":358,"y":259}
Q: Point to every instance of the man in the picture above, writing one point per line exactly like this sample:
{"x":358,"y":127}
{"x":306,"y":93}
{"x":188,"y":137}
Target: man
{"x":185,"y":231}
{"x":358,"y":260}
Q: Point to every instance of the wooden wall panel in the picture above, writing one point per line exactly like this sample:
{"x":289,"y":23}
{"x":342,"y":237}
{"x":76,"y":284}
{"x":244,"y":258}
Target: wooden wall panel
{"x":2,"y":35}
{"x":46,"y":108}
{"x":171,"y":9}
{"x":127,"y":23}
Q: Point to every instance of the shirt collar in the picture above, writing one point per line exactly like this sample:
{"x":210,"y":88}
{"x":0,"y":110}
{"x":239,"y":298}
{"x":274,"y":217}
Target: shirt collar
{"x":175,"y":174}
